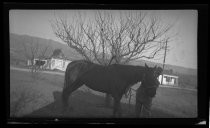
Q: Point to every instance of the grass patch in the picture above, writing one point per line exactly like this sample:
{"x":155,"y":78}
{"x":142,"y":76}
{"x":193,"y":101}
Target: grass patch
{"x":168,"y":103}
{"x":182,"y":103}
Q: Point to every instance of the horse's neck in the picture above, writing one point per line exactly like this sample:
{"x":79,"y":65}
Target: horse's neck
{"x":137,"y":72}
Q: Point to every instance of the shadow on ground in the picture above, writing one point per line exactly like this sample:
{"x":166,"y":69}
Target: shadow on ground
{"x":88,"y":105}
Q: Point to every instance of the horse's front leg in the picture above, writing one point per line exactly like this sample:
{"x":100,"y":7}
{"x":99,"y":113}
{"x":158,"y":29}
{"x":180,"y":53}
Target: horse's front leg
{"x":67,"y":90}
{"x":119,"y":112}
{"x":117,"y":108}
{"x":114,"y":109}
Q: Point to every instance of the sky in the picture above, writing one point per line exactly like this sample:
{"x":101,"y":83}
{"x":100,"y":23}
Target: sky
{"x":183,"y":47}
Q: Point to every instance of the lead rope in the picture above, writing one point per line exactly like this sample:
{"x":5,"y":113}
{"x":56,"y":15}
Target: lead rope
{"x":141,"y":110}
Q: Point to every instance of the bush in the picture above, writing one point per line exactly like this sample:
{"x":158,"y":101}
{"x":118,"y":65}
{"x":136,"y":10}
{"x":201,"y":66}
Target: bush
{"x":19,"y":100}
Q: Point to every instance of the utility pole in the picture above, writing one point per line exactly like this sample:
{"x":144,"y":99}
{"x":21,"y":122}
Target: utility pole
{"x":164,"y":61}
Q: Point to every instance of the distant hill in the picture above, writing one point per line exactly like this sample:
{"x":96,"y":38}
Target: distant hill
{"x":16,"y":46}
{"x":176,"y":69}
{"x":16,"y":51}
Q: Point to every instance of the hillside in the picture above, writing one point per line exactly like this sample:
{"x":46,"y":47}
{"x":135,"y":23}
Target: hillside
{"x":16,"y":52}
{"x":176,"y":69}
{"x":16,"y":46}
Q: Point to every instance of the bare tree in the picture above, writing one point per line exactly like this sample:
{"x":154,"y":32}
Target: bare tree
{"x":32,"y":50}
{"x":109,"y":39}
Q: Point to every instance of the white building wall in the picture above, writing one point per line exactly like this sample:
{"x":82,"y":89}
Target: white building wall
{"x":160,"y":78}
{"x":59,"y":64}
{"x":172,"y":82}
{"x":29,"y":62}
{"x":66,"y":64}
{"x":53,"y":63}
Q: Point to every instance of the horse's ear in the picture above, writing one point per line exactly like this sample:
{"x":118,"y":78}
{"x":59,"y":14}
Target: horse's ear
{"x":159,"y":70}
{"x":146,"y":65}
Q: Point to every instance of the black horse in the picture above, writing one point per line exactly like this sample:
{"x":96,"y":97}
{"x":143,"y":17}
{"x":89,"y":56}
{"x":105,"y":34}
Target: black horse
{"x":113,"y":79}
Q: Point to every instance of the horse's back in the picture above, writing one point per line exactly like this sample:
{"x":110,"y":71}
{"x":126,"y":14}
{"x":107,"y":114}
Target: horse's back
{"x":74,"y":70}
{"x":102,"y":78}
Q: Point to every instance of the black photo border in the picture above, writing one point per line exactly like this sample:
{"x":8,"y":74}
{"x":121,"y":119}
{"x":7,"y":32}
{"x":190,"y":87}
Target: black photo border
{"x":202,"y":44}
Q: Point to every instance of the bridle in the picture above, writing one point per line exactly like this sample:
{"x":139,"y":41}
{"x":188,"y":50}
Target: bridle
{"x":146,"y":87}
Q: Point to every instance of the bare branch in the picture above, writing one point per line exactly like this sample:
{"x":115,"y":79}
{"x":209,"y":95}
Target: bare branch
{"x":132,"y":36}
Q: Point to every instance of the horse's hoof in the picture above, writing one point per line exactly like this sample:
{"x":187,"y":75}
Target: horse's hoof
{"x":67,"y":110}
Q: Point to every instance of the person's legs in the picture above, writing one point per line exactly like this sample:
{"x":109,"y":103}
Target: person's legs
{"x":138,"y":109}
{"x":146,"y":110}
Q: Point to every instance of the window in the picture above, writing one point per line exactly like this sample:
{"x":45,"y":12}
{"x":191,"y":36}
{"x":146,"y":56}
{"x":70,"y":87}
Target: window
{"x":168,"y":79}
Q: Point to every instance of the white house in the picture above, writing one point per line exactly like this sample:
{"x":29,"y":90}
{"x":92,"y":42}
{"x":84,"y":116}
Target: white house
{"x":52,"y":64}
{"x":35,"y":61}
{"x":170,"y":80}
{"x":57,"y":63}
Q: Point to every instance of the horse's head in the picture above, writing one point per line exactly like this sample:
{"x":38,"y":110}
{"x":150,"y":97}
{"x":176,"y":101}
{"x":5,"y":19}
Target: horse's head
{"x":150,"y":80}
